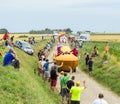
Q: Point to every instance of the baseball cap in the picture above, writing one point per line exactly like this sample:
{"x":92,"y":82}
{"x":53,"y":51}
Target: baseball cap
{"x":62,"y":72}
{"x":78,"y":83}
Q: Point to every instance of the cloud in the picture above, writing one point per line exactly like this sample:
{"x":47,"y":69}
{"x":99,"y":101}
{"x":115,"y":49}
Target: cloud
{"x":18,"y":15}
{"x":55,"y":5}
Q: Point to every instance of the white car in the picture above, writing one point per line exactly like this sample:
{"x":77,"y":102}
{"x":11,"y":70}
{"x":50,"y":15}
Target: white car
{"x":85,"y":37}
{"x":25,"y":46}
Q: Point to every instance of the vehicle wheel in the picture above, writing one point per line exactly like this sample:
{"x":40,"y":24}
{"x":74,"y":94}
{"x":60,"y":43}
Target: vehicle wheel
{"x":59,"y":70}
{"x":74,"y":70}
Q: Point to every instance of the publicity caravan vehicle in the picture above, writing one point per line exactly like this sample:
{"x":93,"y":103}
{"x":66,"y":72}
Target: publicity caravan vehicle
{"x":65,"y":55}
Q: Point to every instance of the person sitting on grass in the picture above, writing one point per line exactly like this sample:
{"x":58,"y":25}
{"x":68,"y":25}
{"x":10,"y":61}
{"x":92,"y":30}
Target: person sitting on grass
{"x":9,"y":57}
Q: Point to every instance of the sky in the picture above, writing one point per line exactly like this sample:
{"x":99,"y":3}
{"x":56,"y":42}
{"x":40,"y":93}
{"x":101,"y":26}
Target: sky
{"x":79,"y":15}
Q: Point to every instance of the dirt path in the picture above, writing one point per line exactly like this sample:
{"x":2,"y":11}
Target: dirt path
{"x":93,"y":88}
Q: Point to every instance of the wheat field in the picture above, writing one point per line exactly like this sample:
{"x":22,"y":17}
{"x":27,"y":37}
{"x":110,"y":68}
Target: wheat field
{"x":114,"y":38}
{"x":37,"y":36}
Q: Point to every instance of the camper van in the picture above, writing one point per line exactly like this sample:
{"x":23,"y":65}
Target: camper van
{"x":55,"y":34}
{"x":84,"y":37}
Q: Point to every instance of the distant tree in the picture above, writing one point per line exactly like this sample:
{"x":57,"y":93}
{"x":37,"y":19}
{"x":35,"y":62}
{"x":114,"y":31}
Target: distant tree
{"x":46,"y":31}
{"x":3,"y":30}
{"x":79,"y":32}
{"x":49,"y":31}
{"x":68,"y":30}
{"x":88,"y":31}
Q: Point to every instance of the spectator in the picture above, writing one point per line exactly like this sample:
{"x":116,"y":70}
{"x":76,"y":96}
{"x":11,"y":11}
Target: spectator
{"x":39,"y":54}
{"x":100,"y":100}
{"x":106,"y":47}
{"x":57,"y":66}
{"x":6,"y":36}
{"x":9,"y":57}
{"x":61,"y":76}
{"x":46,"y":70}
{"x":95,"y":52}
{"x":40,"y":66}
{"x":75,"y":93}
{"x":42,"y":55}
{"x":90,"y":64}
{"x":42,"y":37}
{"x":16,"y":64}
{"x":70,"y":83}
{"x":86,"y":60}
{"x":11,"y":40}
{"x":42,"y":63}
{"x":53,"y":78}
{"x":63,"y":82}
{"x":33,"y":41}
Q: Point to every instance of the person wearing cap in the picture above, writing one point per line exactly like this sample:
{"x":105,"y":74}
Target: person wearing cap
{"x":100,"y":100}
{"x":60,"y":77}
{"x":75,"y":93}
{"x":63,"y":81}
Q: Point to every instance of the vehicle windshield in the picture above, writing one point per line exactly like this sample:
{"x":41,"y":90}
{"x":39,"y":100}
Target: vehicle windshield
{"x":82,"y":37}
{"x":26,"y":45}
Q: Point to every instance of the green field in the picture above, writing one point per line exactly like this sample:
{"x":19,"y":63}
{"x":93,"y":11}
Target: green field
{"x":25,"y":86}
{"x":106,"y":74}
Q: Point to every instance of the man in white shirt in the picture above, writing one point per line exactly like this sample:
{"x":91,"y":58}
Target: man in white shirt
{"x":42,"y":63}
{"x":100,"y":100}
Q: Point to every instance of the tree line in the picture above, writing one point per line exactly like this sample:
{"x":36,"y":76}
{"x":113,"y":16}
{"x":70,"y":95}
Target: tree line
{"x":49,"y":31}
{"x":45,"y":31}
{"x":3,"y":30}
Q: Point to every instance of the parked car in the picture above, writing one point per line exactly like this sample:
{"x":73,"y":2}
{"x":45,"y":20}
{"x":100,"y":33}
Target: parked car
{"x":25,"y":46}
